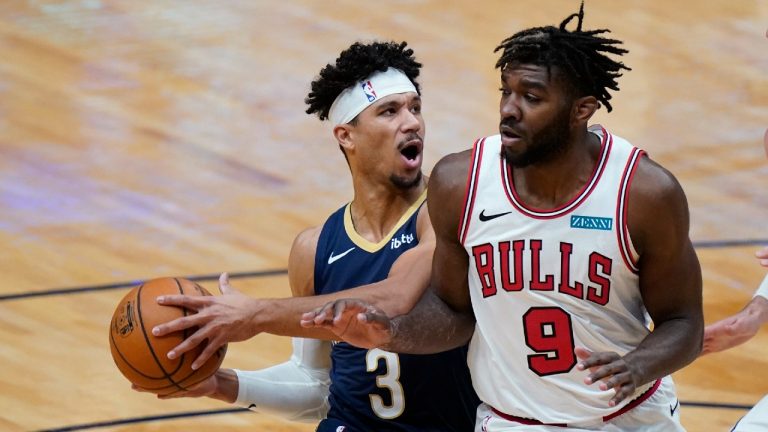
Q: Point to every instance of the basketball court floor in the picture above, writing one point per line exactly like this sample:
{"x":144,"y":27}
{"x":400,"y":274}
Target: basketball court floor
{"x":168,"y":138}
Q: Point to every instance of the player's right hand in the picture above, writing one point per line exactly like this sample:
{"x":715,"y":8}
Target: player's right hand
{"x":230,"y":317}
{"x":353,"y":321}
{"x":736,"y":329}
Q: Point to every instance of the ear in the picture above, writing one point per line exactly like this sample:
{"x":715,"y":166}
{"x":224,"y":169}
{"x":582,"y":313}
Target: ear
{"x":343,"y":134}
{"x":584,"y":108}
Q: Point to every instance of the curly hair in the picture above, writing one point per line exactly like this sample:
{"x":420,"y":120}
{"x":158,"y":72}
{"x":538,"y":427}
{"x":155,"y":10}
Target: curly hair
{"x":355,"y":64}
{"x":578,"y":54}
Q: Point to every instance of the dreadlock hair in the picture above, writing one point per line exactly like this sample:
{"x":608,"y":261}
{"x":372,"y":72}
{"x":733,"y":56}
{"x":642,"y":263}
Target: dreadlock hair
{"x":579,"y":55}
{"x":354,"y":64}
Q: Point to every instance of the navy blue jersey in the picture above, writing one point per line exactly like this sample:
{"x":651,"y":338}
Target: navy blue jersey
{"x":375,"y":390}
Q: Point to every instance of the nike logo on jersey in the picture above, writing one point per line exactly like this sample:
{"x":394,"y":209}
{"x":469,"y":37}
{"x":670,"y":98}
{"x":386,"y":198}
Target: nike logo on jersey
{"x":674,"y":408}
{"x":486,"y":218}
{"x":332,"y":259}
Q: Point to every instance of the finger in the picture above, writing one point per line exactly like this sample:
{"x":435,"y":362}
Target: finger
{"x":193,"y":303}
{"x":189,"y":343}
{"x":604,"y":373}
{"x":762,"y":253}
{"x":339,"y":308}
{"x":179,"y":324}
{"x":379,"y":321}
{"x":325,"y":315}
{"x":308,"y":319}
{"x":224,"y":285}
{"x":581,"y":353}
{"x":209,"y":350}
{"x":622,"y":393}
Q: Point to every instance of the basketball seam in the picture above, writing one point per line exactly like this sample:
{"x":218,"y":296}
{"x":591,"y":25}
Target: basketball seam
{"x":125,"y":360}
{"x":146,"y":338}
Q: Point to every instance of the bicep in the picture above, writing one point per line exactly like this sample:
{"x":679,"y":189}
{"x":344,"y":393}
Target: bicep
{"x":449,"y":269}
{"x":670,"y":273}
{"x":301,"y":263}
{"x":450,"y":263}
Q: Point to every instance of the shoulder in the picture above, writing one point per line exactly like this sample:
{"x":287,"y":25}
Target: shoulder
{"x":301,"y":262}
{"x":653,"y":183}
{"x":657,"y":205}
{"x":306,"y":241}
{"x":450,"y":174}
{"x":447,"y":188}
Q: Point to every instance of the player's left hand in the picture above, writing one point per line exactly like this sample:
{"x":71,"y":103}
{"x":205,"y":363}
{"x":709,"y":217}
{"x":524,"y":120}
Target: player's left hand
{"x":205,"y":388}
{"x":610,"y":370}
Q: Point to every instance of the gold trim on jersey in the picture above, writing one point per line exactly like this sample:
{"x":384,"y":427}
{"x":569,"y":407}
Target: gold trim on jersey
{"x":372,"y":247}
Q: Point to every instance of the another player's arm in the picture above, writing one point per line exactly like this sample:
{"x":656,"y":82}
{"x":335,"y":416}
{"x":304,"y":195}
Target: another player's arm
{"x":443,"y":318}
{"x":235,"y":317}
{"x":740,"y":327}
{"x":670,"y":284}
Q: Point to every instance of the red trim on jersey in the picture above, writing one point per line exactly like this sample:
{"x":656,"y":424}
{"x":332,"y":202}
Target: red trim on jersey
{"x":469,"y":202}
{"x":622,"y":224}
{"x":635,"y":402}
{"x":509,"y":186}
{"x":523,"y":420}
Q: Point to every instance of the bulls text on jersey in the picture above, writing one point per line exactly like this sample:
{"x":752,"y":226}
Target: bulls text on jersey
{"x":509,"y":257}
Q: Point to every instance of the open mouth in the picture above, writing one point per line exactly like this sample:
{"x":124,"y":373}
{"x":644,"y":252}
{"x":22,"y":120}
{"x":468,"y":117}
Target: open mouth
{"x":410,"y":152}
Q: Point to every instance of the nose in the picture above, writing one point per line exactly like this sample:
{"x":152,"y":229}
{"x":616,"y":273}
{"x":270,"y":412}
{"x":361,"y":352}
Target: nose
{"x":509,"y":108}
{"x":411,"y":122}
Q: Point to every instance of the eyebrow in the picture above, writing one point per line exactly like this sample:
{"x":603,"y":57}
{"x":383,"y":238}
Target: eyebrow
{"x":394,"y":103}
{"x":532,"y":83}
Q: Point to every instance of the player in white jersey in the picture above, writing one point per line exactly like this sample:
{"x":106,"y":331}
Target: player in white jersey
{"x":554,"y":256}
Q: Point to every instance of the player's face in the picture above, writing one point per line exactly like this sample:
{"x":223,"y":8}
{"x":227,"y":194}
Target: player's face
{"x":389,"y":137}
{"x":535,"y":115}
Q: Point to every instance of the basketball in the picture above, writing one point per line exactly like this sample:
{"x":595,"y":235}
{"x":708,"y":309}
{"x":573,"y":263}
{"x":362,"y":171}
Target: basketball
{"x":142,"y":357}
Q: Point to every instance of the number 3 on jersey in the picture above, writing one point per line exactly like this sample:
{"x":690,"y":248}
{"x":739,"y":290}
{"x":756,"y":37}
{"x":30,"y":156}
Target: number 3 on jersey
{"x":388,"y":381}
{"x":548,"y":331}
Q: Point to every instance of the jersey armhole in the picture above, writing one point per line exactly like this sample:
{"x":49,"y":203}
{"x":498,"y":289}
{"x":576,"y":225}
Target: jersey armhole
{"x":471,"y":189}
{"x":628,"y":253}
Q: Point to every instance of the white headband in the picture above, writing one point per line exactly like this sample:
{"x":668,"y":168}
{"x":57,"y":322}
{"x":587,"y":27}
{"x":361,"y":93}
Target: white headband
{"x":353,"y":100}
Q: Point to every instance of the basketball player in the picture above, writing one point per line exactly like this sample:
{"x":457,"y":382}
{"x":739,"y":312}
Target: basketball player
{"x":556,"y":246}
{"x":372,"y":100}
{"x":739,"y":328}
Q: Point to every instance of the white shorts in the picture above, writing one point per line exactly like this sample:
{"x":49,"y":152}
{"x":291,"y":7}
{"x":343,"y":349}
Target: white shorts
{"x":756,"y":419}
{"x":658,"y":413}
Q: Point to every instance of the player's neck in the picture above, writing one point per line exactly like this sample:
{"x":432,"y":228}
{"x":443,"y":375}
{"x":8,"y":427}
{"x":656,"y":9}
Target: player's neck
{"x":377,"y":208}
{"x":554,"y":183}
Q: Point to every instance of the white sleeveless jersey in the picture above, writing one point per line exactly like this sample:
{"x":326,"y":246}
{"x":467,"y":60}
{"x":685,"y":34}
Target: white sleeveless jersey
{"x":545,"y":281}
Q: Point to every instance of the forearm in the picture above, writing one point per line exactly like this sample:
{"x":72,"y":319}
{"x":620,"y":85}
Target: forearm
{"x":226,"y":386}
{"x":672,"y":345}
{"x":757,"y":308}
{"x":394,"y":296}
{"x":295,"y":390}
{"x":282,"y":317}
{"x":431,"y":327}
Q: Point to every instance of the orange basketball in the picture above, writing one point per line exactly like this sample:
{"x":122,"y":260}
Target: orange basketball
{"x":141,"y":356}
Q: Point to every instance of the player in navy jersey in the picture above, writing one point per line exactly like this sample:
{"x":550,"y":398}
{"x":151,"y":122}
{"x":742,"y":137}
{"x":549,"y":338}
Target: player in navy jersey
{"x":372,"y":100}
{"x":553,"y":256}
